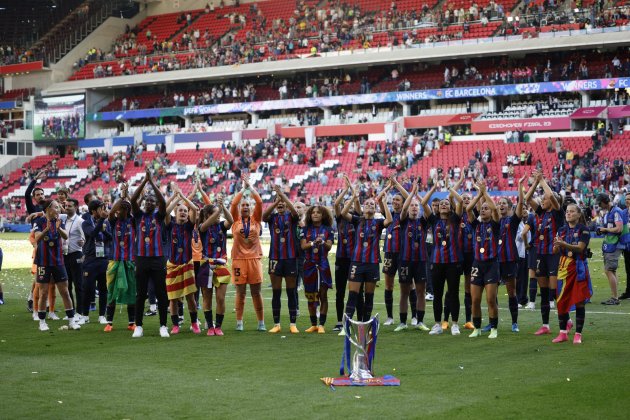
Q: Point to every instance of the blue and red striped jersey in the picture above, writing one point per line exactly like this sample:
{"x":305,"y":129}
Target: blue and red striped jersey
{"x":532,"y":221}
{"x":413,"y":245}
{"x":392,"y":235}
{"x":123,"y":237}
{"x":367,"y":239}
{"x":181,"y":242}
{"x":346,"y":234}
{"x":49,"y":250}
{"x":318,"y":254}
{"x":549,"y":222}
{"x":150,"y":231}
{"x":214,"y":241}
{"x":507,"y":242}
{"x":486,"y":239}
{"x":446,"y":239}
{"x":283,"y":239}
{"x":467,"y":233}
{"x":573,"y":236}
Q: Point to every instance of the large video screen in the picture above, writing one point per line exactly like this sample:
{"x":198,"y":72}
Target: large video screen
{"x":59,"y":118}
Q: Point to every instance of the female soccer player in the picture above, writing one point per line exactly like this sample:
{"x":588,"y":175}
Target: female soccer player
{"x":484,"y":275}
{"x":49,"y":232}
{"x":446,"y":258}
{"x":180,"y":270}
{"x":366,"y":256}
{"x":413,"y":257}
{"x":121,"y":271}
{"x":316,"y":240}
{"x":247,"y":253}
{"x":468,"y":253}
{"x":282,"y":256}
{"x":571,"y":243}
{"x":213,"y":273}
{"x":550,"y":220}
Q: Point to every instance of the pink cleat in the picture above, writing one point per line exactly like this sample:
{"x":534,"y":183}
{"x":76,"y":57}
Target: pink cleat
{"x":218,"y":331}
{"x":195,"y":328}
{"x":175,"y":329}
{"x":577,"y":338}
{"x":211,"y":332}
{"x":543,"y":330}
{"x":569,"y":325}
{"x":562,"y":336}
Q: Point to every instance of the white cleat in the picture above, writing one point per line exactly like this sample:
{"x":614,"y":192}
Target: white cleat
{"x":73,"y":325}
{"x":43,"y":326}
{"x":455,"y":329}
{"x":53,"y":316}
{"x":389,"y":321}
{"x":437,"y":329}
{"x":163,"y":331}
{"x":531,"y":306}
{"x":102,"y":320}
{"x":428,"y":297}
{"x":138,"y":332}
{"x":414,"y":322}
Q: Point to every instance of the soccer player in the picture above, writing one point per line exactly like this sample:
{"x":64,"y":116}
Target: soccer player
{"x":531,"y":257}
{"x":317,"y":240}
{"x":391,"y":247}
{"x":413,"y":258}
{"x":150,"y":262}
{"x":283,"y":221}
{"x":611,"y":247}
{"x":467,"y":233}
{"x":247,"y":253}
{"x":571,"y":243}
{"x":36,"y":194}
{"x":447,"y":255}
{"x":180,"y":270}
{"x":96,"y":259}
{"x":508,"y":255}
{"x":49,"y":232}
{"x":550,"y":220}
{"x":366,"y":256}
{"x":121,"y":269}
{"x":213,"y":272}
{"x":300,"y":207}
{"x":1,"y":293}
{"x":485,"y":269}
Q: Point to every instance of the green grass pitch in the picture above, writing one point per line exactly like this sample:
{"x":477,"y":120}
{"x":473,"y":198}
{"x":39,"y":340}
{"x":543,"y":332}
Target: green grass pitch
{"x":88,"y":373}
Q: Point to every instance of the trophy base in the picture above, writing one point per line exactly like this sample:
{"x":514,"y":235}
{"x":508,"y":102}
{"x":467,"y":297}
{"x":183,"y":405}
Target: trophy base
{"x":386,"y":380}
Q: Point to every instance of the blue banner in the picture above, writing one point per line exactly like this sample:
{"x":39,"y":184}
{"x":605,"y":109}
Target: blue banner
{"x":371,"y":98}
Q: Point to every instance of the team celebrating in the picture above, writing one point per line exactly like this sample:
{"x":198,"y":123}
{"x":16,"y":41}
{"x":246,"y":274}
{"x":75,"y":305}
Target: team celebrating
{"x":177,"y":251}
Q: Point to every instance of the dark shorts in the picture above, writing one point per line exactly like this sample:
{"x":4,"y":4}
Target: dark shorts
{"x":283,"y":268}
{"x":415,"y":271}
{"x":531,"y":258}
{"x":508,"y":269}
{"x":547,"y":265}
{"x":57,"y":273}
{"x":484,"y":272}
{"x":316,"y":276}
{"x":390,"y":263}
{"x":469,"y":257}
{"x":364,"y":272}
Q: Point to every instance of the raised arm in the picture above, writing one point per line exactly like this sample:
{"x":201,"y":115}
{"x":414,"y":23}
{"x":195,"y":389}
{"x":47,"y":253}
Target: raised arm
{"x":229,"y":220}
{"x":379,"y":198}
{"x":458,"y":201}
{"x":338,"y":207}
{"x":211,"y":220}
{"x":269,"y":210}
{"x":204,"y":196}
{"x":530,"y":193}
{"x":28,"y":194}
{"x":425,"y":207}
{"x":345,"y":213}
{"x":159,"y":197}
{"x":519,"y":205}
{"x":257,"y":215}
{"x":547,"y":189}
{"x":493,"y":207}
{"x":395,"y":184}
{"x":388,"y":214}
{"x":405,"y":209}
{"x":135,"y":198}
{"x":193,"y":209}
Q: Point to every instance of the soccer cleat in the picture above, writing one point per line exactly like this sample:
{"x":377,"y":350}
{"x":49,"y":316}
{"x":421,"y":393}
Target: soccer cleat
{"x":400,"y":327}
{"x":515,"y":328}
{"x":389,"y":321}
{"x":569,"y":325}
{"x":293,"y":329}
{"x":476,"y":333}
{"x":428,"y":297}
{"x":311,"y":329}
{"x":337,"y":328}
{"x":164,"y":331}
{"x":73,"y":325}
{"x":102,"y":320}
{"x":543,"y":330}
{"x":437,"y":329}
{"x":211,"y":332}
{"x":445,"y":325}
{"x":577,"y":338}
{"x":174,"y":330}
{"x":108,"y":328}
{"x":261,"y":326}
{"x":53,"y":316}
{"x":342,"y":333}
{"x":321,"y":329}
{"x":414,"y":322}
{"x":422,"y":327}
{"x":86,"y":319}
{"x":35,"y":316}
{"x":487,"y":328}
{"x":276,"y":329}
{"x":218,"y":331}
{"x":239,"y":325}
{"x":150,"y":313}
{"x":611,"y":301}
{"x":493,"y":333}
{"x":43,"y":326}
{"x":138,"y":332}
{"x":195,"y":328}
{"x":131,"y":327}
{"x":455,"y":329}
{"x":469,"y":326}
{"x":531,"y":306}
{"x":562,"y":336}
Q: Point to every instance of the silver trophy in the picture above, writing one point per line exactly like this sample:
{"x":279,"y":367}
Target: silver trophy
{"x":362,"y":337}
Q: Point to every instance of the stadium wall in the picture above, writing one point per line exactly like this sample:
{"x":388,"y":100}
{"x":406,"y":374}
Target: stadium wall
{"x":170,"y":6}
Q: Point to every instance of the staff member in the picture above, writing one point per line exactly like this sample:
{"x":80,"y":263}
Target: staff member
{"x":611,"y":247}
{"x":73,"y":252}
